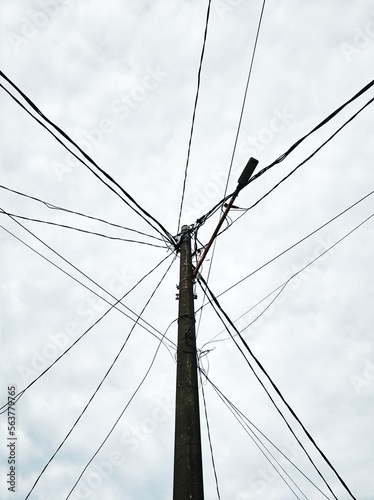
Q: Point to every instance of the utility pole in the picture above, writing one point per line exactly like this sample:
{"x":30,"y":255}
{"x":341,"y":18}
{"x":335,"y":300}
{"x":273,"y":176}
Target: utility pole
{"x":188,"y":470}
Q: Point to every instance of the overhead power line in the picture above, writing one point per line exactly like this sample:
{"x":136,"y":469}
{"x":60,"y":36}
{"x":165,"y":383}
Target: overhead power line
{"x":122,"y":412}
{"x":101,"y":383}
{"x":81,"y":272}
{"x":303,"y":162}
{"x":219,"y":310}
{"x":236,"y":141}
{"x":162,"y":337}
{"x":51,"y":206}
{"x":209,"y":434}
{"x":193,"y":115}
{"x":320,"y":125}
{"x":298,"y":242}
{"x":245,"y":94}
{"x":279,"y":289}
{"x":250,"y":428}
{"x":282,"y":157}
{"x":125,"y":196}
{"x":82,"y":230}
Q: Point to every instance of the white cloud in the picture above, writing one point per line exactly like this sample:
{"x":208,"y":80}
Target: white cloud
{"x":121,"y":81}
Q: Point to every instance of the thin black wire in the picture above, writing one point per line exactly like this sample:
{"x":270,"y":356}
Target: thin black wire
{"x":121,"y":414}
{"x":70,"y":264}
{"x":253,"y":437}
{"x":283,"y":285}
{"x":75,"y":279}
{"x":234,"y":148}
{"x":51,"y":206}
{"x":245,"y":94}
{"x":209,"y":435}
{"x":83,"y":230}
{"x":276,"y":257}
{"x":194,"y":114}
{"x":245,"y":423}
{"x":18,"y":396}
{"x":216,"y":306}
{"x":102,"y":381}
{"x":138,"y":210}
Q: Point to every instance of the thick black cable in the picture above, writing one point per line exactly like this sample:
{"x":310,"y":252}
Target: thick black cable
{"x":101,"y":382}
{"x":121,"y":414}
{"x":300,"y":164}
{"x":214,"y":301}
{"x":143,"y":213}
{"x":297,"y":143}
{"x":51,"y":206}
{"x":245,"y":423}
{"x":194,"y":114}
{"x":18,"y":396}
{"x":82,"y":230}
{"x":321,"y":124}
{"x":83,"y":162}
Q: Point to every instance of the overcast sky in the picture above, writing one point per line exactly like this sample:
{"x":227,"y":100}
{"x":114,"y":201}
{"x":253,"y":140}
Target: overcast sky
{"x":119,"y":77}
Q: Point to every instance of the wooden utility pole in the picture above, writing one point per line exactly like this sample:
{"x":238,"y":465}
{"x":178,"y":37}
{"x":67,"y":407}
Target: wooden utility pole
{"x":188,"y":470}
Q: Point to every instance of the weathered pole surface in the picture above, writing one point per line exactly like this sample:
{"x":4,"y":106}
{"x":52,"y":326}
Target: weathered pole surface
{"x":188,"y":471}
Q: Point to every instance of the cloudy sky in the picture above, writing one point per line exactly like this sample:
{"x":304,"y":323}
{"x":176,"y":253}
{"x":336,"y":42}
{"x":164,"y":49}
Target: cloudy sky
{"x":120,"y":79}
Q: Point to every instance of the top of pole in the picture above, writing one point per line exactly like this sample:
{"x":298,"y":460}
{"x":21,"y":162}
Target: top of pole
{"x":242,"y":182}
{"x":247,"y":173}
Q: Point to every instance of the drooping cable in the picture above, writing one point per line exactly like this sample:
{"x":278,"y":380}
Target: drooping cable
{"x":162,"y":338}
{"x":85,"y":231}
{"x":51,"y":206}
{"x":279,"y":289}
{"x":219,"y":310}
{"x":125,"y":196}
{"x":194,"y":114}
{"x":101,"y":382}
